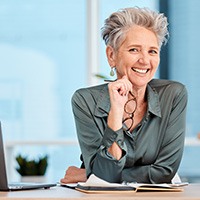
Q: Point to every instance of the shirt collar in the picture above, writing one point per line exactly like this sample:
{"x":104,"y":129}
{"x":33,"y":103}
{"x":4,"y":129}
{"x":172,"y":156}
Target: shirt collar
{"x":153,"y":101}
{"x":103,"y":102}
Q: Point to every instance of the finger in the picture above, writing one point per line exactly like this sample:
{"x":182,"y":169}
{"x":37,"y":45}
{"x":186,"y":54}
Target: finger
{"x":120,"y":86}
{"x":63,"y":180}
{"x":122,"y":89}
{"x":128,"y":83}
{"x":125,"y":88}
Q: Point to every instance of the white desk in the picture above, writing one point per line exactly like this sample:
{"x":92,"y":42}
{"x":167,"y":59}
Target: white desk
{"x":191,"y":192}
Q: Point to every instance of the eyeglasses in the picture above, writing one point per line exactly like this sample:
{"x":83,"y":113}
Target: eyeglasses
{"x":133,"y":104}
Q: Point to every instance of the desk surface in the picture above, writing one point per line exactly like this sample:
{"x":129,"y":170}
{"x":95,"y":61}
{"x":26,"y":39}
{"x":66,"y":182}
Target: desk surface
{"x":190,"y":192}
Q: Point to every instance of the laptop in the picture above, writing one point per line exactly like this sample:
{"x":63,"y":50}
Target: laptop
{"x":5,"y":186}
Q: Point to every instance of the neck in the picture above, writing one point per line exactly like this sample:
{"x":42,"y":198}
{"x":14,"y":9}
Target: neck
{"x":139,"y":94}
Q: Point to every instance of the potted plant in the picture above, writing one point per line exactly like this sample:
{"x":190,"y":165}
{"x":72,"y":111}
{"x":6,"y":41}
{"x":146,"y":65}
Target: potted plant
{"x":32,"y":169}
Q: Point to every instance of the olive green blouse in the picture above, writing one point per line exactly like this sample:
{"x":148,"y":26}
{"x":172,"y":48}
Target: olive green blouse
{"x":152,"y":152}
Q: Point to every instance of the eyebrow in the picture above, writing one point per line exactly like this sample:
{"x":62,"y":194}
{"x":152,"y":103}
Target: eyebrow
{"x":137,"y":45}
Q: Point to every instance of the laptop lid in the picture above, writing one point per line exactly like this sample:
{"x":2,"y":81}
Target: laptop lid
{"x":4,"y":186}
{"x":3,"y":179}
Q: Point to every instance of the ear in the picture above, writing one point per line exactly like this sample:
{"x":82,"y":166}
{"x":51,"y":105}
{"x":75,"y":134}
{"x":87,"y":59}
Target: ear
{"x":110,"y":53}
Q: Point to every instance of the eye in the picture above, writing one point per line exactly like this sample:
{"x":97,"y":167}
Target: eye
{"x":133,"y":50}
{"x":152,"y":51}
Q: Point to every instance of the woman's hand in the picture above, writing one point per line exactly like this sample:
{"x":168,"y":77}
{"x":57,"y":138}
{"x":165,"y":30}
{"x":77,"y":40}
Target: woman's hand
{"x":74,"y":175}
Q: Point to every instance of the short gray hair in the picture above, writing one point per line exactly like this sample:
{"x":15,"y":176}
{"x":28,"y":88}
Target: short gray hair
{"x":118,"y":23}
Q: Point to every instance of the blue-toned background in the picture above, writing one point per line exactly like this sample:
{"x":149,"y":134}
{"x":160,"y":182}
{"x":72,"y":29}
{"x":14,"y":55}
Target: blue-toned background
{"x":43,"y":60}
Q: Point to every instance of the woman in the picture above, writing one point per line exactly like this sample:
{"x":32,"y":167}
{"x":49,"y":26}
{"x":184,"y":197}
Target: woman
{"x":132,"y":129}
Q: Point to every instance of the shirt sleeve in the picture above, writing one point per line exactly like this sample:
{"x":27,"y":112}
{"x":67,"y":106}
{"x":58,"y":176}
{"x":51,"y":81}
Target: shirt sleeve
{"x":169,"y":157}
{"x":94,"y":143}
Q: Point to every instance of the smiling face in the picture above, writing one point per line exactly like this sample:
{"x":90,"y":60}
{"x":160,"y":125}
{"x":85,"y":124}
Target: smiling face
{"x":138,"y":56}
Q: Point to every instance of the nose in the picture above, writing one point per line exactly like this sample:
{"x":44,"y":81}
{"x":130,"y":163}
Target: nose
{"x":144,"y":58}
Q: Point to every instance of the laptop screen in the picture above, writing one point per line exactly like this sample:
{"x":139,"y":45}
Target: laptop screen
{"x":3,"y":175}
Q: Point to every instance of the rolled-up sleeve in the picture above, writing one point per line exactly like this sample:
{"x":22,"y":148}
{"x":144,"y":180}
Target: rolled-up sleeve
{"x":111,"y":169}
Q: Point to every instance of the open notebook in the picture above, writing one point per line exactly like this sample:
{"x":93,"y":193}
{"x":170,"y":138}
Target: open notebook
{"x":96,"y":185}
{"x":4,"y":186}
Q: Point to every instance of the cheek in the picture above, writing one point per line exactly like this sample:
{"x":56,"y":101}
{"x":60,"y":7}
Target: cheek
{"x":155,"y":63}
{"x":158,"y":61}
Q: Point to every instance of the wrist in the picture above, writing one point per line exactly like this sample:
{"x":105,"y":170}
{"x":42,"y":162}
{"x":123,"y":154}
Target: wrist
{"x":114,"y":120}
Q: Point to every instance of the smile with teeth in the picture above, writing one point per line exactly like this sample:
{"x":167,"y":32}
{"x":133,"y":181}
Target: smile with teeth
{"x":141,"y":71}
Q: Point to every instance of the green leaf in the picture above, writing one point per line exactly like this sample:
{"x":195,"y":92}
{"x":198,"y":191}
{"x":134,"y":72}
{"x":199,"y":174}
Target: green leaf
{"x":28,"y":167}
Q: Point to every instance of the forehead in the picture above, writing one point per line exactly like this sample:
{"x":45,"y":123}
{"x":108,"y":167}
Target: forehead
{"x":138,"y":35}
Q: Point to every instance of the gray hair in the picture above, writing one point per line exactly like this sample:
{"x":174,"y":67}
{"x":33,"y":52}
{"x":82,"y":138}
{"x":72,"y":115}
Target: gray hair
{"x":116,"y":26}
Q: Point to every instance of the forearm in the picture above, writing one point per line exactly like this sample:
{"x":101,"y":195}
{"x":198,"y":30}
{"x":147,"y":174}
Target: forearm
{"x":115,"y":123}
{"x":165,"y":165}
{"x":107,"y":167}
{"x":148,"y":174}
{"x":115,"y":151}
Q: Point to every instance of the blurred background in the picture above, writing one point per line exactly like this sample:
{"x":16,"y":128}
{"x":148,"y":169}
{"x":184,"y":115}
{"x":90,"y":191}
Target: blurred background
{"x":50,"y":48}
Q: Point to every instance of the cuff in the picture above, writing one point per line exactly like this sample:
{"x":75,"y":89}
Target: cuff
{"x":111,"y":136}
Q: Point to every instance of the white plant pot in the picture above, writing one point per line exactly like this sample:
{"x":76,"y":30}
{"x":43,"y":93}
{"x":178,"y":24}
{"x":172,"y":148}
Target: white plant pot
{"x":34,"y":179}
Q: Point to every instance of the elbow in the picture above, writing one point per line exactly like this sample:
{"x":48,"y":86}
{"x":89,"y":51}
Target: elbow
{"x":161,"y":174}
